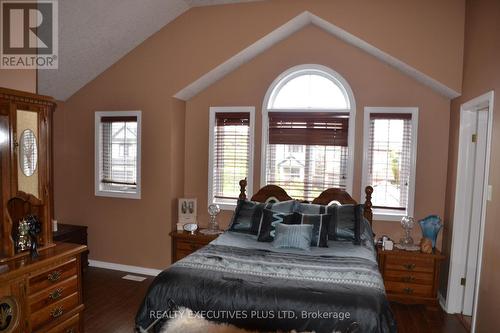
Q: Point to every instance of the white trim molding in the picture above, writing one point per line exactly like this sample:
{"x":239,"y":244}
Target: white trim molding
{"x":124,"y":268}
{"x":454,"y":297}
{"x":341,"y":83}
{"x":289,"y":28}
{"x":136,"y":194}
{"x":211,"y":146}
{"x":393,"y":215}
{"x":442,"y":302}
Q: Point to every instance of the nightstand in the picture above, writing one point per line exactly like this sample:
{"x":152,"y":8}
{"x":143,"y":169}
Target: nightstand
{"x":410,"y":277}
{"x":184,"y":243}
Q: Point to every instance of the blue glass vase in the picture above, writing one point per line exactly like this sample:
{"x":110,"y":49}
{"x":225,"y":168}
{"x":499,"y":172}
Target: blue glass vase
{"x":430,"y":228}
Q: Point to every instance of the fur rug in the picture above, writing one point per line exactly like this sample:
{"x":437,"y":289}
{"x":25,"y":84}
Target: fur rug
{"x":187,"y":322}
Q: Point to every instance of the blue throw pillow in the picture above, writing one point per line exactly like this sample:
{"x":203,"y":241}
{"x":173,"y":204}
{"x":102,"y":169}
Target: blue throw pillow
{"x":347,"y":223}
{"x":285,"y":207}
{"x":296,"y":236}
{"x":308,"y":208}
{"x":242,"y":217}
{"x":320,"y":224}
{"x":248,"y":214}
{"x":269,"y":221}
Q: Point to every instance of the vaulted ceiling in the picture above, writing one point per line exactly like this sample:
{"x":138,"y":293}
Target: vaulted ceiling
{"x":94,"y":34}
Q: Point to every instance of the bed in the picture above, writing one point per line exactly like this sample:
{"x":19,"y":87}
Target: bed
{"x":253,"y":285}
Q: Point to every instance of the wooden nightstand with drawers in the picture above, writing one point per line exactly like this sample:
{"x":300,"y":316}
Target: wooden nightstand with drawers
{"x":410,"y":277}
{"x":184,"y":243}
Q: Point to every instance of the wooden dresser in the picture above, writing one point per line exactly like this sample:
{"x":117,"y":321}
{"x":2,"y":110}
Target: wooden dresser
{"x":410,"y":277}
{"x":77,"y":234}
{"x":184,"y":243}
{"x":44,"y":294}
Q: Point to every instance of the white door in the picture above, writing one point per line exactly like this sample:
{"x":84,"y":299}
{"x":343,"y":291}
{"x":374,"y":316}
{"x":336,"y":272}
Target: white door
{"x":478,"y":163}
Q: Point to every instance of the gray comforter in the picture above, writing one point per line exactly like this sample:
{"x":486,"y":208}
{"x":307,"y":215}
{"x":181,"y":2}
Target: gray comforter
{"x":250,"y":284}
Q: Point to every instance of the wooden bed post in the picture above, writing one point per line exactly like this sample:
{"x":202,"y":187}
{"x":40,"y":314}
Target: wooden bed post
{"x":243,"y":185}
{"x":368,"y":213}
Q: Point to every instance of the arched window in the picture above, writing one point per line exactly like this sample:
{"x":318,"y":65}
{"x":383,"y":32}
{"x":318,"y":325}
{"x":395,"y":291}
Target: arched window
{"x":308,"y":132}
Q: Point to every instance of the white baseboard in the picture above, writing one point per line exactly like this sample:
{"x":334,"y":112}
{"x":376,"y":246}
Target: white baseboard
{"x":124,"y":268}
{"x":442,"y":302}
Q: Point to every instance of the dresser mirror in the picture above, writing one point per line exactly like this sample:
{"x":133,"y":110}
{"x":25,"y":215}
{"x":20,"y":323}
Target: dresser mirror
{"x":27,"y":139}
{"x":28,"y":152}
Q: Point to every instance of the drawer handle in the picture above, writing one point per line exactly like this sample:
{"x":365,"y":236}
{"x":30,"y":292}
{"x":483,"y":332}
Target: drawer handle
{"x":408,"y":279}
{"x":54,"y":276}
{"x":70,"y":330}
{"x":57,"y":312}
{"x":408,"y":290}
{"x":409,"y":266}
{"x":56,"y":294}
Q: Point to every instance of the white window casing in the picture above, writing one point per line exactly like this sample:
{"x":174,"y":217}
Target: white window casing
{"x":117,"y":160}
{"x":388,"y":214}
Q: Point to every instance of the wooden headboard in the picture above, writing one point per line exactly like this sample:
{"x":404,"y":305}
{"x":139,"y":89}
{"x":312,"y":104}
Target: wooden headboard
{"x":332,"y":194}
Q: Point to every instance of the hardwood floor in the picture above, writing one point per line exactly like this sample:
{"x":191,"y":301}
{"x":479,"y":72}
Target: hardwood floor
{"x":110,"y":301}
{"x":417,"y":319}
{"x":111,"y":304}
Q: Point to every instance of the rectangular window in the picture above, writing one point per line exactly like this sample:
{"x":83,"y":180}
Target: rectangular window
{"x":117,"y":154}
{"x":307,"y":152}
{"x":231,"y":153}
{"x":390,"y":155}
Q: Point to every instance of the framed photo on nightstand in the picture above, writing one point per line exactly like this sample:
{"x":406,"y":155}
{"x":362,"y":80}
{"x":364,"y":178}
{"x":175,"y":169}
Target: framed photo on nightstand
{"x":187,"y":210}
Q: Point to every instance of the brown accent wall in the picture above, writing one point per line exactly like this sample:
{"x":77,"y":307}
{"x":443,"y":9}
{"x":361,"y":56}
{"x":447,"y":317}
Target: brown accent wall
{"x":481,"y":74}
{"x":20,"y":79}
{"x":135,"y":232}
{"x":373,"y":84}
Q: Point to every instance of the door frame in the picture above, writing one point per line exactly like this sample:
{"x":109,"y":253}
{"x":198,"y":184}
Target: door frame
{"x":458,"y":256}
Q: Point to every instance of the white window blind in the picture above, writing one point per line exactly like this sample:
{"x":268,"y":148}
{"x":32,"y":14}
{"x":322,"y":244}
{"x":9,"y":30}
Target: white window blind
{"x":307,"y":152}
{"x":118,"y":154}
{"x":389,"y":159}
{"x":231,"y":155}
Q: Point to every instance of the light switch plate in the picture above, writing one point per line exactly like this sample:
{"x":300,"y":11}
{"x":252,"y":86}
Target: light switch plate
{"x":490,"y":192}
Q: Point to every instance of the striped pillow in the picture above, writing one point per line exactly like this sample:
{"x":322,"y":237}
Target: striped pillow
{"x":320,"y":224}
{"x":297,"y":236}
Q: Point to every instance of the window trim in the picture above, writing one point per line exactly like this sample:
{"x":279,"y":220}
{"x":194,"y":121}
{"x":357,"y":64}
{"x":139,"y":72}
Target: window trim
{"x":211,"y":145}
{"x":384,"y":214}
{"x":290,"y":74}
{"x":98,"y":149}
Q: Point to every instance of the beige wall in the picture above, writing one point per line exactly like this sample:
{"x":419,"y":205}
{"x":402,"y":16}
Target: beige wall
{"x":373,"y":84}
{"x":135,"y":232}
{"x":481,"y":74}
{"x":20,"y":79}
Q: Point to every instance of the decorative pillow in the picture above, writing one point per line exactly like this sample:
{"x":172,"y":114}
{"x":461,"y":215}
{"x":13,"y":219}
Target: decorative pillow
{"x":346,"y":223}
{"x":320,"y":223}
{"x":307,"y":208}
{"x":285,"y":207}
{"x":247,"y":215}
{"x":270,"y":219}
{"x":293,"y":236}
{"x":242,"y":217}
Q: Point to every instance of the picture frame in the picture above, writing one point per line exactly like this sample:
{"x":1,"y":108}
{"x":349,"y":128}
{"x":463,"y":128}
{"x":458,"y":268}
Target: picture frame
{"x":187,"y":210}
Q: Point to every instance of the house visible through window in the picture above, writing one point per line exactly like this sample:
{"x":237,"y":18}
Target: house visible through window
{"x":306,"y":133}
{"x":231,"y":153}
{"x":389,"y":151}
{"x":117,"y":154}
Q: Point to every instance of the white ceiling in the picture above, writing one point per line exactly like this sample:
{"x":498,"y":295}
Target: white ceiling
{"x":94,"y":34}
